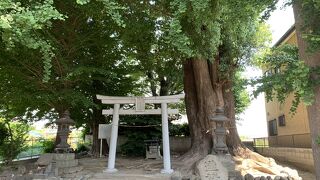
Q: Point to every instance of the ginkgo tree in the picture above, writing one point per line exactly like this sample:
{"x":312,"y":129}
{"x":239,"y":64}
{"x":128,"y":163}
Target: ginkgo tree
{"x":94,"y":43}
{"x":85,"y":60}
{"x":211,"y":39}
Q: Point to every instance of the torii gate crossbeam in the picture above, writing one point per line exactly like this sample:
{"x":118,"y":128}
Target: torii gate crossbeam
{"x":140,"y":109}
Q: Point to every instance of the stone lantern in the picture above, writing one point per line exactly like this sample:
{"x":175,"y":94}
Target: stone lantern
{"x":219,"y":146}
{"x":64,"y":124}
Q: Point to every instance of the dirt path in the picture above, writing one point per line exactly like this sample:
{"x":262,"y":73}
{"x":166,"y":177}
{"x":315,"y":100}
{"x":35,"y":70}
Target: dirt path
{"x":136,"y":169}
{"x":128,"y":169}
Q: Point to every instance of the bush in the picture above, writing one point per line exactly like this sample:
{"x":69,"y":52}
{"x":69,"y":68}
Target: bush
{"x":179,"y":130}
{"x":3,"y":133}
{"x":82,"y":147}
{"x":137,"y":129}
{"x":15,"y":142}
{"x":48,"y":145}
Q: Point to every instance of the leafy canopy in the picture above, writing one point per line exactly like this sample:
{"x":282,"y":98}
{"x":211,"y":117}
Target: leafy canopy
{"x":286,"y":74}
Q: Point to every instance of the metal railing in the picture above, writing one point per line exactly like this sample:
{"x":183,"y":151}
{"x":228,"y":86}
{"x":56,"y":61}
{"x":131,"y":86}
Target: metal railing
{"x":294,"y":141}
{"x":35,"y":147}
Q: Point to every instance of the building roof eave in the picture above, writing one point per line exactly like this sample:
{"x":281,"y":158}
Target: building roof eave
{"x":285,"y":36}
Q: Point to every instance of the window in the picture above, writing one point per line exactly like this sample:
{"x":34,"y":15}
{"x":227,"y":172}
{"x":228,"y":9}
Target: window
{"x":268,"y":73}
{"x":282,"y":120}
{"x":277,"y":70}
{"x":273,"y":131}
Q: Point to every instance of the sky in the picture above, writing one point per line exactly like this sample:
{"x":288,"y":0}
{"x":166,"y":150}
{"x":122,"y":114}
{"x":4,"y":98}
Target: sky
{"x":253,"y":123}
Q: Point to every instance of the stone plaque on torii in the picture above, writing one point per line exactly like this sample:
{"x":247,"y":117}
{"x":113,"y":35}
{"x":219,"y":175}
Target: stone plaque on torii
{"x":140,"y":109}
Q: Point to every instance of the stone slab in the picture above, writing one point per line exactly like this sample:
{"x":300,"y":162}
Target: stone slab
{"x":45,"y":159}
{"x":211,"y":168}
{"x":66,"y":163}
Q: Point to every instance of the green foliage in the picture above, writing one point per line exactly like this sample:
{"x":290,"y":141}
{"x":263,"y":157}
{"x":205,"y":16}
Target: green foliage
{"x":181,"y":130}
{"x":194,"y":25}
{"x":134,"y":146}
{"x":48,"y":145}
{"x":82,"y":2}
{"x":286,"y":75}
{"x":318,"y":140}
{"x":22,"y":23}
{"x":241,"y":95}
{"x":112,"y":8}
{"x":137,"y":129}
{"x":3,"y":133}
{"x":15,"y":141}
{"x":310,"y":11}
{"x":87,"y":61}
{"x":85,"y":131}
{"x":82,"y":147}
{"x":199,"y":28}
{"x":111,"y":47}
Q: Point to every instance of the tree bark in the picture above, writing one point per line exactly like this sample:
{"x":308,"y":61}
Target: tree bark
{"x":97,"y":118}
{"x":164,"y":87}
{"x":153,"y":86}
{"x":200,"y":104}
{"x":233,"y":140}
{"x":204,"y":92}
{"x":311,"y":60}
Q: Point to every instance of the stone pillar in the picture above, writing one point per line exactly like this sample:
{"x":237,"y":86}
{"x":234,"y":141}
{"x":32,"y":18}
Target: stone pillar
{"x":113,"y":141}
{"x":165,"y":140}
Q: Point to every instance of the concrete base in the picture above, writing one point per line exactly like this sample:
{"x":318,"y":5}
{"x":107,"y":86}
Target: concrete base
{"x":57,"y":164}
{"x":166,"y":171}
{"x":63,"y":156}
{"x":110,"y":170}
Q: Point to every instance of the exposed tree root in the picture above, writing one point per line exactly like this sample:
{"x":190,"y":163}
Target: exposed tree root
{"x":255,"y":164}
{"x":246,"y":160}
{"x":187,"y":162}
{"x":246,"y":153}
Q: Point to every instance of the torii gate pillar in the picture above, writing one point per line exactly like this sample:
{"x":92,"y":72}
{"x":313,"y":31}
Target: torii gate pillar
{"x":165,"y":140}
{"x":113,"y":139}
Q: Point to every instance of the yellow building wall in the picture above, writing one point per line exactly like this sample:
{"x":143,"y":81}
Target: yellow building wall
{"x":295,"y":124}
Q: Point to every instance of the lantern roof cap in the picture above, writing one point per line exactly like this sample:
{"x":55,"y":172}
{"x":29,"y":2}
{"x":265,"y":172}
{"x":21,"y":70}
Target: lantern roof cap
{"x":65,"y":119}
{"x":219,"y":115}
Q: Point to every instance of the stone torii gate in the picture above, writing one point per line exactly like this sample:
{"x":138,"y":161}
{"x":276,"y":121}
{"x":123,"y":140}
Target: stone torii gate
{"x":140,"y":109}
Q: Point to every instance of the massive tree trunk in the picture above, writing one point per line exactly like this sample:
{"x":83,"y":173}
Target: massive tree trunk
{"x":204,"y":92}
{"x":201,"y":103}
{"x":312,"y":60}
